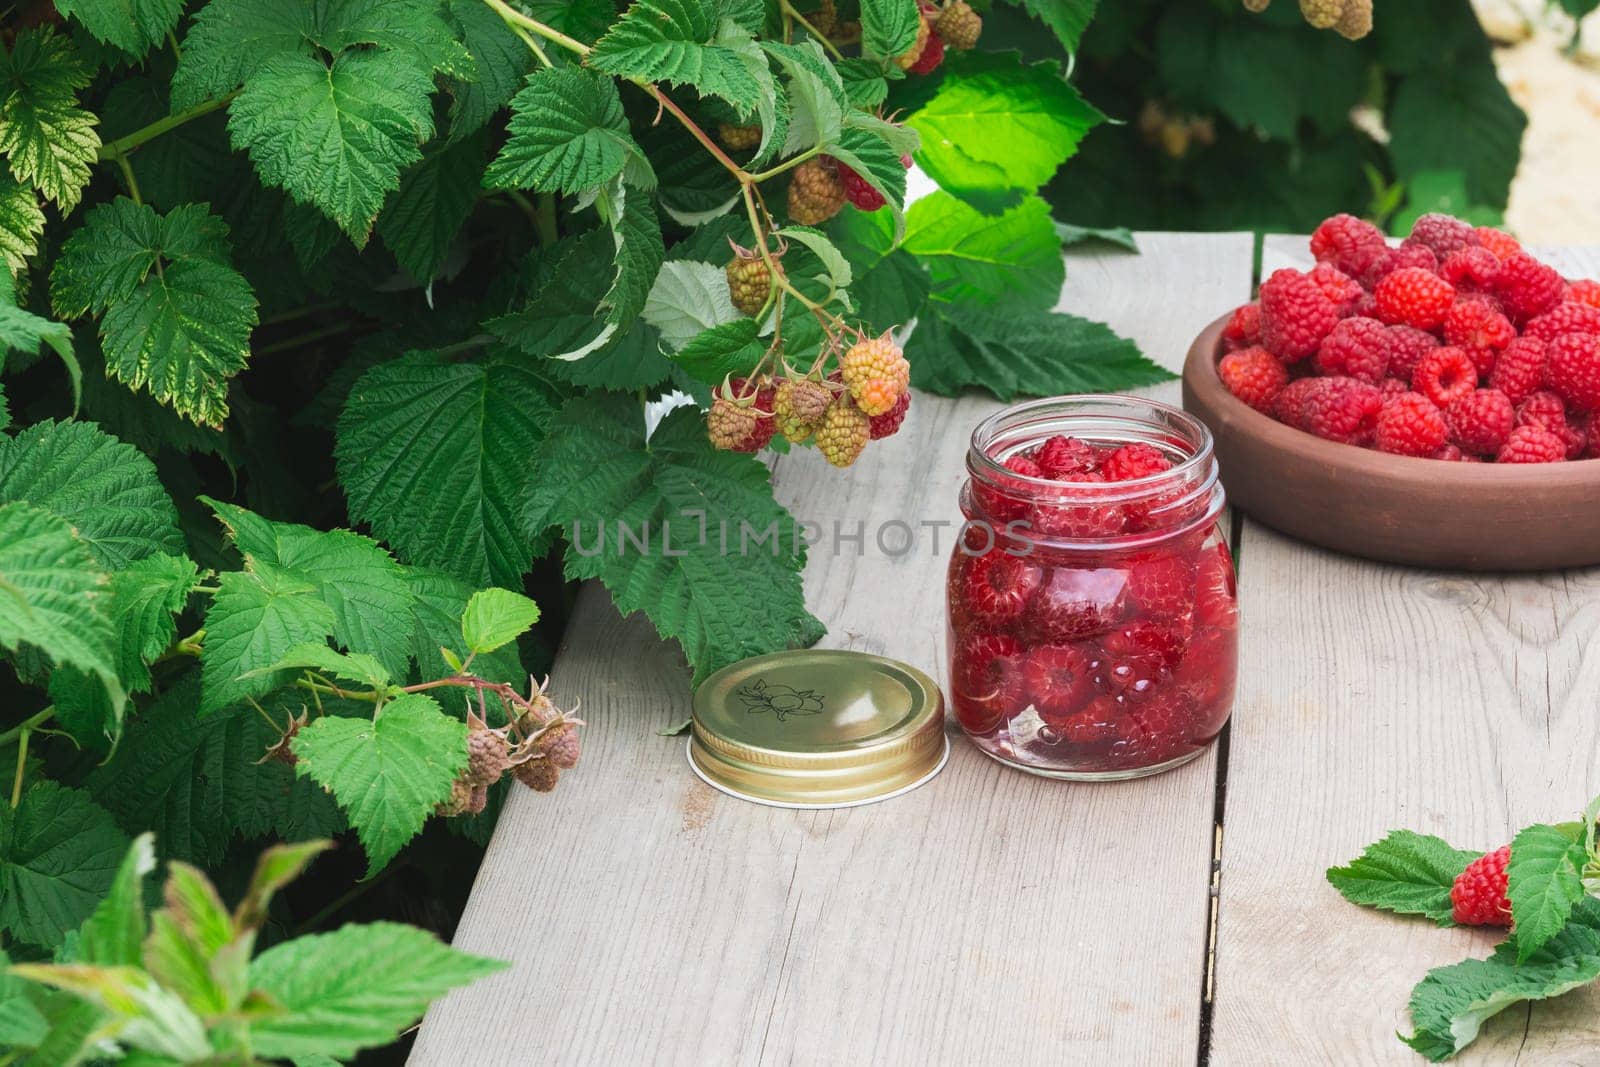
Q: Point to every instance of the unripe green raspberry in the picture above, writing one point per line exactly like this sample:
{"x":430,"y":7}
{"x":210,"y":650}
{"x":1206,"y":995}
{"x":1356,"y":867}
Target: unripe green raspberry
{"x":729,"y":424}
{"x":1256,"y":6}
{"x":844,"y":432}
{"x":799,"y":407}
{"x":815,"y":193}
{"x":959,"y":25}
{"x":875,"y":373}
{"x":1321,"y":13}
{"x":749,"y":283}
{"x":738,"y":138}
{"x":1355,"y":21}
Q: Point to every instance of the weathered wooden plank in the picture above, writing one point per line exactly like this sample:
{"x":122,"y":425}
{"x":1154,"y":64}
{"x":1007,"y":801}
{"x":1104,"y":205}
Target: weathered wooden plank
{"x":1374,"y":697}
{"x":988,"y":917}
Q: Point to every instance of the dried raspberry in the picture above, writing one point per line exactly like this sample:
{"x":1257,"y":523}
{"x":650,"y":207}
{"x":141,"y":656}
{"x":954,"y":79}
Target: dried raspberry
{"x":1338,"y":409}
{"x":987,"y":683}
{"x":1481,"y":421}
{"x":908,"y":59}
{"x":1295,"y":315}
{"x":1532,"y":443}
{"x":487,"y":757}
{"x":1445,"y":375}
{"x":1407,"y":346}
{"x":738,"y":138}
{"x":798,"y":406}
{"x":459,"y":800}
{"x":560,"y":746}
{"x":1244,"y":326}
{"x":1058,"y":679}
{"x":1419,"y":257}
{"x":1442,"y":234}
{"x":888,"y":424}
{"x":1502,"y":244}
{"x":1473,"y":323}
{"x":1569,"y":316}
{"x":1356,"y":348}
{"x":1572,"y":369}
{"x":1073,"y":604}
{"x":815,"y":192}
{"x":1585,"y":292}
{"x":1527,"y":287}
{"x":1162,"y":585}
{"x":1349,"y":243}
{"x":1470,"y":268}
{"x":1478,"y":896}
{"x":749,"y":283}
{"x":1137,"y":460}
{"x":1519,"y":371}
{"x":959,"y":25}
{"x":538,"y":774}
{"x":1255,"y":375}
{"x":1337,"y":286}
{"x":858,"y":191}
{"x":932,"y":55}
{"x":844,"y":432}
{"x":1413,"y":296}
{"x":1066,"y":458}
{"x":1410,"y":425}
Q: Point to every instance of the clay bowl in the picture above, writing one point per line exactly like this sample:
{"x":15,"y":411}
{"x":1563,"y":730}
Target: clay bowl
{"x":1423,"y":512}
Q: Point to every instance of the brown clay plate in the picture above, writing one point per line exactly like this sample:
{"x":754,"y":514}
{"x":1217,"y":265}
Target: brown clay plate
{"x":1469,"y":516}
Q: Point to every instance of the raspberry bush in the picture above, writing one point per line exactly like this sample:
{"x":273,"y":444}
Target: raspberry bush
{"x":330,"y":335}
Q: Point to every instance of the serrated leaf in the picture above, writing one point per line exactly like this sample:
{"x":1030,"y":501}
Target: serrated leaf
{"x":107,"y":490}
{"x":255,"y":618}
{"x":1544,"y":879}
{"x":23,"y":331}
{"x":562,"y":321}
{"x":1012,"y":351}
{"x":440,"y":603}
{"x":998,"y":126}
{"x":866,"y":84}
{"x":567,"y":133}
{"x":355,"y":988}
{"x":638,"y":254}
{"x":355,"y":667}
{"x":1120,"y":236}
{"x":143,"y":1016}
{"x":689,"y":297}
{"x":978,"y":260}
{"x":1406,"y":873}
{"x":1452,"y":1003}
{"x":594,"y":469}
{"x":817,"y":95}
{"x":21,"y":222}
{"x":422,"y":218}
{"x":1458,"y":117}
{"x":59,"y":853}
{"x":495,"y":617}
{"x":630,"y":361}
{"x":434,"y":457}
{"x":388,"y":772}
{"x":1067,"y":19}
{"x":22,"y":1024}
{"x":49,"y":140}
{"x":730,"y":349}
{"x":863,"y":147}
{"x":838,"y":268}
{"x":888,"y":27}
{"x":502,"y":61}
{"x":114,"y":933}
{"x":671,"y":41}
{"x":131,"y":25}
{"x":52,"y":593}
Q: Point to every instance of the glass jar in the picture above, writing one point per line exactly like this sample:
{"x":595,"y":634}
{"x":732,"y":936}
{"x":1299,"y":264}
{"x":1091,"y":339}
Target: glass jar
{"x":1092,"y":624}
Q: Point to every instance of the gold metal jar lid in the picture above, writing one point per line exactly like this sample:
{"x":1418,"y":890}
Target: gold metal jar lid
{"x":817,"y":728}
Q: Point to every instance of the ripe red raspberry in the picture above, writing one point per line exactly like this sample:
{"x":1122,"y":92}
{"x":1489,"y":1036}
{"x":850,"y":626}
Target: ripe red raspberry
{"x":1295,"y":315}
{"x":1059,"y":680}
{"x":1418,"y":257}
{"x":1474,"y":323}
{"x":1445,"y":375}
{"x":1337,"y":286}
{"x":1450,"y":454}
{"x":1244,"y":326}
{"x":1543,"y":408}
{"x":1158,"y":729}
{"x":1502,"y":244}
{"x":1216,"y":597}
{"x":1569,"y":316}
{"x":1470,"y":268}
{"x":1073,"y":604}
{"x":1527,"y":287}
{"x":1137,"y":460}
{"x":1076,"y":522}
{"x":1532,"y":443}
{"x":858,"y":191}
{"x":1356,"y":348}
{"x":1162,"y":585}
{"x":1413,"y":296}
{"x":1338,"y":409}
{"x":1481,"y":421}
{"x":1442,"y":234}
{"x":995,"y":587}
{"x":987,"y":689}
{"x":887,"y":424}
{"x":1478,"y":897}
{"x":1410,"y":425}
{"x":1407,"y":346}
{"x":1519,"y":371}
{"x":1255,"y":375}
{"x":932,"y":55}
{"x":1142,"y":644}
{"x":1393,"y":387}
{"x":1585,"y":292}
{"x":1066,"y":458}
{"x":1572,"y":369}
{"x":1008,"y":501}
{"x":1348,"y":243}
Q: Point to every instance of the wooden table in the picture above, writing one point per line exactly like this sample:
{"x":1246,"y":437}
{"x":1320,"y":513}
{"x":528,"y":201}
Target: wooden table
{"x":991,"y":917}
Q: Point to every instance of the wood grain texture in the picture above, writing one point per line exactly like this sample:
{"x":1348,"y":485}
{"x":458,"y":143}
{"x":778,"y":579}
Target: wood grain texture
{"x":988,"y":917}
{"x":1375,"y":697}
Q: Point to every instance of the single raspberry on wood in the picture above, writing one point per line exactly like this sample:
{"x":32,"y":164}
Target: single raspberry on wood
{"x":1413,"y":296}
{"x":1572,"y":369}
{"x":1478,"y":895}
{"x":1527,"y":287}
{"x":815,"y":192}
{"x":1338,"y":409}
{"x":1410,"y":425}
{"x":1137,"y":460}
{"x":1295,"y":315}
{"x":1348,"y":243}
{"x":1244,"y":326}
{"x":738,"y":138}
{"x":1569,"y":316}
{"x":1502,"y":244}
{"x":932,"y":55}
{"x":959,"y":25}
{"x":1357,"y":348}
{"x":1407,"y":346}
{"x":844,"y":432}
{"x":1255,"y":376}
{"x":1445,"y":375}
{"x":1481,"y":421}
{"x":1442,"y":234}
{"x":749,"y":283}
{"x":888,"y":424}
{"x":908,"y":59}
{"x":1532,"y":443}
{"x":858,"y":191}
{"x":798,"y":407}
{"x":1519,"y":372}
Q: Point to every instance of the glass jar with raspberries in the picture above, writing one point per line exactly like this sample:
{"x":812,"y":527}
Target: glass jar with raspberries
{"x":1093,"y":617}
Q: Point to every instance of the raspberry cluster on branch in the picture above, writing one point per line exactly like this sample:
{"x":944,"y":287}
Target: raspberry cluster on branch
{"x":534,"y":747}
{"x":1350,"y":19}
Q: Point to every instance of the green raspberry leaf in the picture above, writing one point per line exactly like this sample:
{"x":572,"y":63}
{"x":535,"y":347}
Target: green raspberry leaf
{"x":440,"y":604}
{"x":1544,"y":879}
{"x":502,"y":61}
{"x":1451,"y":1004}
{"x":998,"y":128}
{"x":53,"y":594}
{"x":721,"y":606}
{"x":496,"y":617}
{"x":727,"y":350}
{"x":21,"y":223}
{"x":434,"y":456}
{"x":421,"y":220}
{"x":675,"y":41}
{"x":131,"y":25}
{"x":1120,"y":236}
{"x":1458,"y":117}
{"x":255,"y":618}
{"x":888,"y":27}
{"x":688,"y":298}
{"x":114,"y":934}
{"x":50,"y":141}
{"x":562,"y":320}
{"x":1406,"y":873}
{"x":357,"y":667}
{"x":567,"y":134}
{"x":817,"y":95}
{"x":1067,"y":19}
{"x":354,"y":988}
{"x":979,"y":260}
{"x":387,"y":772}
{"x":59,"y":853}
{"x":23,"y":331}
